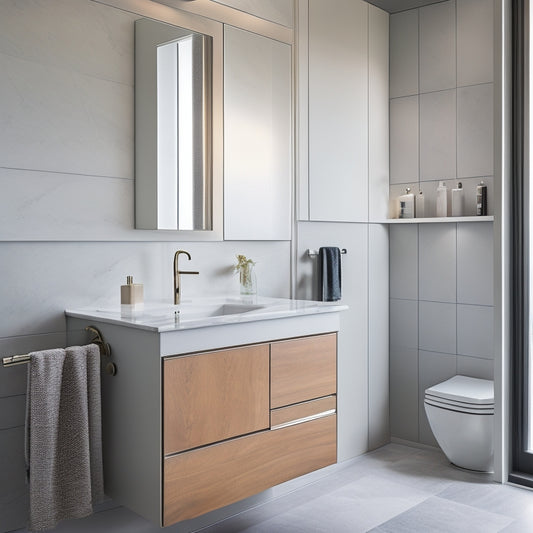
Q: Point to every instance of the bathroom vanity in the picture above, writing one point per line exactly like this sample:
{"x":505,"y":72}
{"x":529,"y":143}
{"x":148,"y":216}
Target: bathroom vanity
{"x":214,"y":401}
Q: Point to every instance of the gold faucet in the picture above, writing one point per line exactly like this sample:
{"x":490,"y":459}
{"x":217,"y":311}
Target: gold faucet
{"x":177,"y":272}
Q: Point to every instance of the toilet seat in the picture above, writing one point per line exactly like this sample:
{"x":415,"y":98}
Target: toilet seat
{"x":461,"y":409}
{"x":471,"y":392}
{"x":456,"y":404}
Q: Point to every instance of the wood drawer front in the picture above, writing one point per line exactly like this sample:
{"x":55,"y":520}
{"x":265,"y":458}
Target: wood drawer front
{"x":205,"y":479}
{"x":215,"y":396}
{"x":303,"y":369}
{"x":286,"y":415}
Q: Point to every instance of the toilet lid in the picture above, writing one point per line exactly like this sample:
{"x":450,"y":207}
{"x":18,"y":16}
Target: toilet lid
{"x":464,"y":389}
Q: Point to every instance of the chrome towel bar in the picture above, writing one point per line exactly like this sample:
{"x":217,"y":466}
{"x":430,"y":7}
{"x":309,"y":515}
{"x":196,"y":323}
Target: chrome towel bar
{"x":311,"y":252}
{"x":105,"y":350}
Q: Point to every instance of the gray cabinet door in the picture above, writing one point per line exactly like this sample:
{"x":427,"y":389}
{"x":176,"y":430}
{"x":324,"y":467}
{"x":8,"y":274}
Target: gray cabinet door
{"x":338,"y":110}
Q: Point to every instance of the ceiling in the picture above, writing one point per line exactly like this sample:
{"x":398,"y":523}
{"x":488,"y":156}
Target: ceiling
{"x":393,"y":6}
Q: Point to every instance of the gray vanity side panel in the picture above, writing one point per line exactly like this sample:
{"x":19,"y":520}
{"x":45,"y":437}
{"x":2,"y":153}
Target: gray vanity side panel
{"x":131,"y":417}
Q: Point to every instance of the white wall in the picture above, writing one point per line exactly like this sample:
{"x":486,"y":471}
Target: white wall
{"x":66,"y":207}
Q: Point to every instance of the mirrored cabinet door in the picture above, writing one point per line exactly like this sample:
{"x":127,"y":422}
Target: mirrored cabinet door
{"x":257,"y":137}
{"x":178,"y":127}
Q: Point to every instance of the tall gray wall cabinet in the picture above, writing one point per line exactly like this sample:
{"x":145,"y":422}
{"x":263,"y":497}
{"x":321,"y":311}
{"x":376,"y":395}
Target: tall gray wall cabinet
{"x":343,"y":140}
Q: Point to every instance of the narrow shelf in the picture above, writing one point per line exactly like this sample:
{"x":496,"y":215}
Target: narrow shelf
{"x":437,"y":220}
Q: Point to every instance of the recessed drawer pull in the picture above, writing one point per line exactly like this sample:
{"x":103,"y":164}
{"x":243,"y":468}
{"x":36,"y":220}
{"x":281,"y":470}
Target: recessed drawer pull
{"x":305,"y":419}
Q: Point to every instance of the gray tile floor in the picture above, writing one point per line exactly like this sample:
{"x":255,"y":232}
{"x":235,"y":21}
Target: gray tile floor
{"x":396,"y":489}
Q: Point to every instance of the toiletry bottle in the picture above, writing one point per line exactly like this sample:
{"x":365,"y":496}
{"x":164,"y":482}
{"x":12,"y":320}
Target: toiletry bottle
{"x":131,"y":293}
{"x":442,"y":200}
{"x":407,"y":204}
{"x":458,"y":201}
{"x":481,"y":199}
{"x":420,"y":208}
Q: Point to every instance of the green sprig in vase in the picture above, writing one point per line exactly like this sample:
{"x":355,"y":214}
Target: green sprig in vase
{"x":248,"y":282}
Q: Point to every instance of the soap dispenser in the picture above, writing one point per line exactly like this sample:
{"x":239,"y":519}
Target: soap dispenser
{"x":131,"y":295}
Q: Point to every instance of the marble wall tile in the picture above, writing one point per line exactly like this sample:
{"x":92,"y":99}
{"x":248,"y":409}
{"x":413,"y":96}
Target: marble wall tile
{"x":437,"y":327}
{"x":403,"y":261}
{"x":436,"y":262}
{"x":475,"y":130}
{"x":475,"y":43}
{"x":90,"y":274}
{"x":88,"y":37}
{"x":437,"y":47}
{"x":404,"y":140}
{"x":433,"y":368}
{"x":403,"y":43}
{"x":62,"y":121}
{"x":438,"y":135}
{"x":475,"y":331}
{"x":404,"y":393}
{"x":475,"y":271}
{"x":403,"y":323}
{"x":475,"y":367}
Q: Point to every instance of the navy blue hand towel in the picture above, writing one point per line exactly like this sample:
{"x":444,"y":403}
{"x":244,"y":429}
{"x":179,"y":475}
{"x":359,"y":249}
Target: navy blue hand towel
{"x":329,"y":274}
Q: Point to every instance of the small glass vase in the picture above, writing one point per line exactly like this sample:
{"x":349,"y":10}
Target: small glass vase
{"x":248,"y":280}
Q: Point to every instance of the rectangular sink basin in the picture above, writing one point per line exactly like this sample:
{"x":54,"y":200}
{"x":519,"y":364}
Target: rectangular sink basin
{"x":201,"y":311}
{"x":186,"y":312}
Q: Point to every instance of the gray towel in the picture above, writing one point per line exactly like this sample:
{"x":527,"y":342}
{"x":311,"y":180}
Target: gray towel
{"x":63,"y":434}
{"x":329,"y":274}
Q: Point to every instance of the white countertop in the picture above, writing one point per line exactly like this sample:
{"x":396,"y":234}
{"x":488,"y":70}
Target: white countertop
{"x":204,"y":312}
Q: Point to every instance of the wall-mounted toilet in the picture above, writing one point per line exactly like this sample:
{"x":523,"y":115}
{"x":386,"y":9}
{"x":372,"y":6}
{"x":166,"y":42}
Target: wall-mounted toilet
{"x":460,"y":411}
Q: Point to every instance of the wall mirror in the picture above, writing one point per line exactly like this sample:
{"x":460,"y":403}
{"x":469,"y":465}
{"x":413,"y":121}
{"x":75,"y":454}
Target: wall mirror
{"x":176,"y":129}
